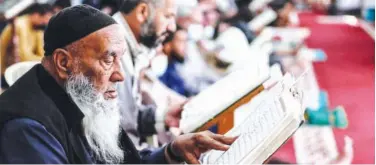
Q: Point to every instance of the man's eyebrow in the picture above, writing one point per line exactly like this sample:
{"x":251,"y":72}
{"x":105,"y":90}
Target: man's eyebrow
{"x":110,"y":53}
{"x":114,"y":53}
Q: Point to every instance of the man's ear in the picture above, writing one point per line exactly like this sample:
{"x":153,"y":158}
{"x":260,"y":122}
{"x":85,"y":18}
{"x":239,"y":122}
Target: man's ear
{"x":142,"y":12}
{"x":63,"y":61}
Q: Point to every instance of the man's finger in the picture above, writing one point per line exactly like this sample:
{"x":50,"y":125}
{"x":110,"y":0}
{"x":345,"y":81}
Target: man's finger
{"x":210,"y":143}
{"x":224,"y":139}
{"x":191,"y":159}
{"x":202,"y":150}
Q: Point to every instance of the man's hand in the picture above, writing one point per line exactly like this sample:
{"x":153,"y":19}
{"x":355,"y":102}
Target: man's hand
{"x":173,"y":115}
{"x":189,"y":147}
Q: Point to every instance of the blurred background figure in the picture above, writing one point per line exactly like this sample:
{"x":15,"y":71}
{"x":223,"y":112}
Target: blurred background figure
{"x":194,"y":71}
{"x":22,"y":39}
{"x":213,"y":43}
{"x":242,"y":17}
{"x":59,"y":5}
{"x":146,"y":25}
{"x":107,"y":6}
{"x":188,"y":14}
{"x":175,"y":49}
{"x":345,"y":7}
{"x":283,"y":9}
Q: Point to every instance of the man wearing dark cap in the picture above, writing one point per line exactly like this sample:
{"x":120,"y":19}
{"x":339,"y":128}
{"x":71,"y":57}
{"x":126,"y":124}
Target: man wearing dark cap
{"x":146,"y":23}
{"x":65,"y":109}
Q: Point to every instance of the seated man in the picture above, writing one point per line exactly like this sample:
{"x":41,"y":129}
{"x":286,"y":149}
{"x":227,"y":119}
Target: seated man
{"x":228,"y":45}
{"x":29,"y":31}
{"x":194,"y":71}
{"x":241,"y":19}
{"x":146,"y":23}
{"x":65,"y":110}
{"x":174,"y":48}
{"x":22,"y":40}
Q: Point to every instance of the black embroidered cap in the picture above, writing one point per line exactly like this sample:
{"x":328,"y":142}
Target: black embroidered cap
{"x":72,"y":24}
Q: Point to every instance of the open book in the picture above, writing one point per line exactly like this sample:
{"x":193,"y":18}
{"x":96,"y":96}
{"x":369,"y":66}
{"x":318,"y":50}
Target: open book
{"x":271,"y":122}
{"x":220,"y":100}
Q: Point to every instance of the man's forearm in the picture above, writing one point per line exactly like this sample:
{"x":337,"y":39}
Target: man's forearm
{"x":157,"y":156}
{"x":146,"y":121}
{"x":151,"y":120}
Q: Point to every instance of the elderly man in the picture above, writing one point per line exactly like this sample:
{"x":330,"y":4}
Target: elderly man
{"x":146,"y":24}
{"x":65,"y":110}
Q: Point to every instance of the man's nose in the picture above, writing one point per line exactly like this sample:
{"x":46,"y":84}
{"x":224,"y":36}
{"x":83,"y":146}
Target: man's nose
{"x":118,"y":74}
{"x":117,"y":77}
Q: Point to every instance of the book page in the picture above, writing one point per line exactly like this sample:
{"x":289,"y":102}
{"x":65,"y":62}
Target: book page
{"x":315,"y":143}
{"x":251,"y":132}
{"x":218,"y":97}
{"x":265,"y":118}
{"x":224,"y":91}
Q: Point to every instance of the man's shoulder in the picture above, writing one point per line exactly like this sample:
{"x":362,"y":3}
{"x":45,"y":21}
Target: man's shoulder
{"x":21,"y":124}
{"x":27,"y":130}
{"x":34,"y":143}
{"x":23,"y":128}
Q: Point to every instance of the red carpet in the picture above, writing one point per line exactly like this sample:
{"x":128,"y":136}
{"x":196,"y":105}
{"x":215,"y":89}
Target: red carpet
{"x":348,"y":76}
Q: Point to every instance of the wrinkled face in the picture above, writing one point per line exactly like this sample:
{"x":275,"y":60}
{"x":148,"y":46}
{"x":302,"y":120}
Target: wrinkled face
{"x":89,"y":70}
{"x":179,"y":43}
{"x":97,"y":57}
{"x":159,"y":24}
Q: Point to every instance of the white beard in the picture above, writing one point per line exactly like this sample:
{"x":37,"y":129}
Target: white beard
{"x":101,"y":123}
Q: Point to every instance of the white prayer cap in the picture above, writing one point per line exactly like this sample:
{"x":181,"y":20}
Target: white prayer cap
{"x":234,"y":45}
{"x":226,"y":5}
{"x":258,"y":4}
{"x":223,"y":5}
{"x":185,"y":7}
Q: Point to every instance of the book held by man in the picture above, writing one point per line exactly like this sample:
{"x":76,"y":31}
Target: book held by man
{"x":272,"y":120}
{"x":215,"y":105}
